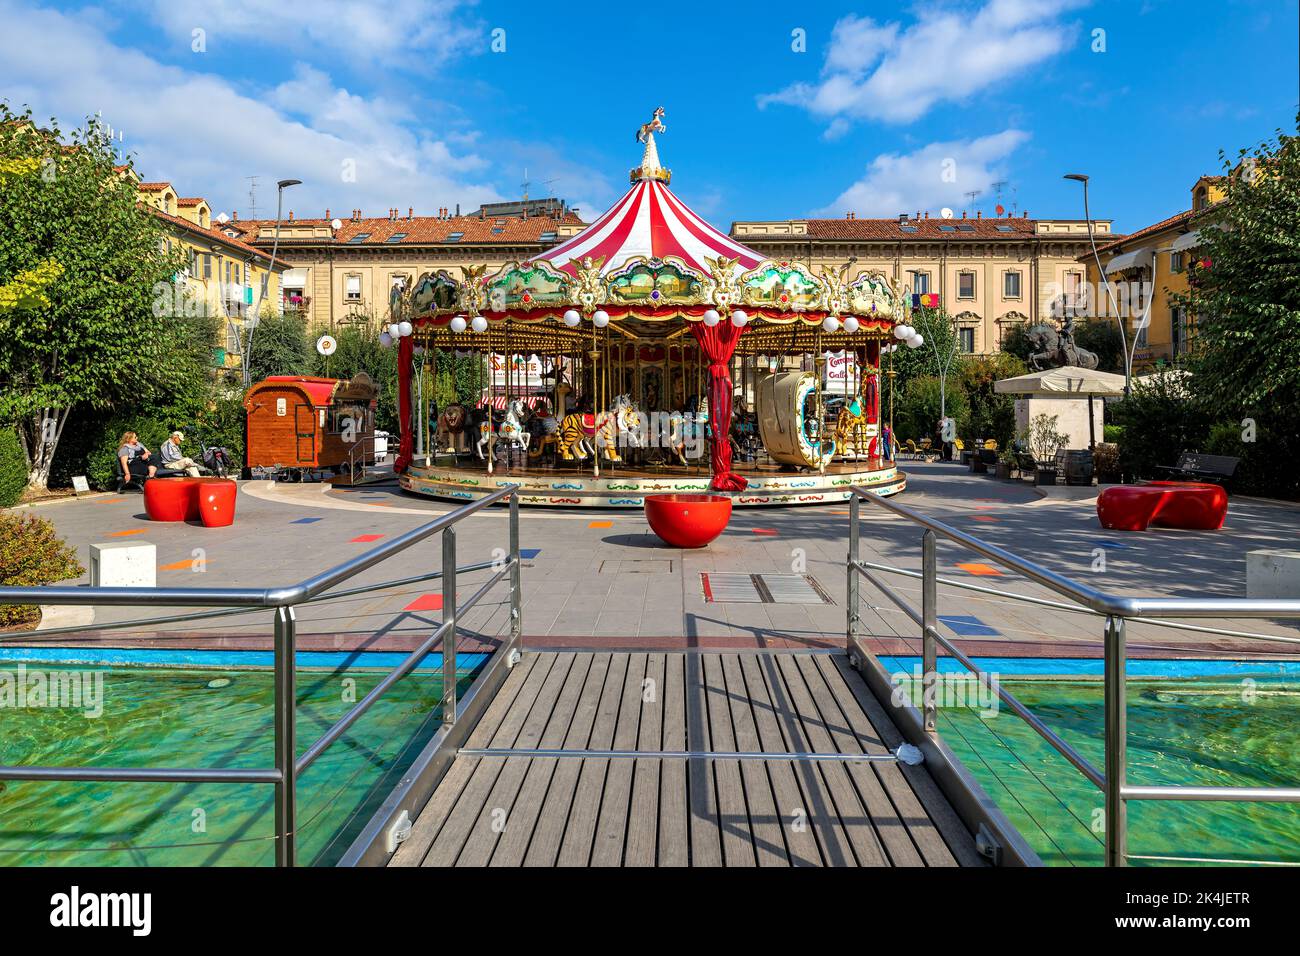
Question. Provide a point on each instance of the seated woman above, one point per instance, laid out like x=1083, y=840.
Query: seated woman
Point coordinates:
x=134, y=458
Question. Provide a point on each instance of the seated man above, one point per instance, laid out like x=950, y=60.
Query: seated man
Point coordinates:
x=173, y=459
x=134, y=458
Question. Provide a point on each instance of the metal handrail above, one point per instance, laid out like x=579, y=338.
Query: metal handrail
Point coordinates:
x=288, y=764
x=1115, y=608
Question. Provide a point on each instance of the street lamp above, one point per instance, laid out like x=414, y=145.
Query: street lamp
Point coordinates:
x=1123, y=335
x=281, y=186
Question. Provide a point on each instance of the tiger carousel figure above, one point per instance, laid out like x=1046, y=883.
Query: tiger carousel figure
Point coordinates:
x=583, y=433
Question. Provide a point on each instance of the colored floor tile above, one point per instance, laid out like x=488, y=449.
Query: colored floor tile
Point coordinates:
x=600, y=524
x=303, y=520
x=764, y=530
x=425, y=602
x=985, y=518
x=186, y=565
x=968, y=625
x=123, y=534
x=1113, y=544
x=527, y=553
x=980, y=570
x=365, y=537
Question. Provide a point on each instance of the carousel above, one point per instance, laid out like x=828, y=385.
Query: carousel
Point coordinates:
x=651, y=354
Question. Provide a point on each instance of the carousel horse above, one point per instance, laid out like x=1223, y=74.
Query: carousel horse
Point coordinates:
x=451, y=429
x=511, y=433
x=677, y=435
x=544, y=428
x=853, y=430
x=656, y=125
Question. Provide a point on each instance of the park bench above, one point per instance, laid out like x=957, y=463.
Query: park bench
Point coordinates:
x=122, y=482
x=1193, y=466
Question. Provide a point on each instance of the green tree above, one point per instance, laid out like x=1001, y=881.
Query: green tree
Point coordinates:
x=359, y=351
x=1245, y=294
x=992, y=415
x=917, y=413
x=940, y=343
x=95, y=335
x=282, y=347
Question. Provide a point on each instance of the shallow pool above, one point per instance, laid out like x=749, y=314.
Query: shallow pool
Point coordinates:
x=1208, y=730
x=201, y=717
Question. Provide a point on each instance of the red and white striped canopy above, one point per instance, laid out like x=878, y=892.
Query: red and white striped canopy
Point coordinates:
x=650, y=221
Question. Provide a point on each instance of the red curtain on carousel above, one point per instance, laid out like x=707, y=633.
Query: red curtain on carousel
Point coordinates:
x=718, y=342
x=405, y=357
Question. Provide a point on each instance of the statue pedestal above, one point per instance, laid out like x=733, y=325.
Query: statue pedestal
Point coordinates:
x=1071, y=413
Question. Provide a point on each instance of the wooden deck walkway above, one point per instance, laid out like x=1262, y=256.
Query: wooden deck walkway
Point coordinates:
x=542, y=780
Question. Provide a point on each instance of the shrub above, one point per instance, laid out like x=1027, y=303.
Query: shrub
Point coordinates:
x=1105, y=462
x=31, y=555
x=13, y=468
x=1159, y=423
x=992, y=415
x=152, y=433
x=1113, y=434
x=917, y=413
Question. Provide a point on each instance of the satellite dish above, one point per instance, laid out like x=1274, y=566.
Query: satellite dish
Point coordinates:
x=327, y=345
x=223, y=218
x=945, y=212
x=336, y=224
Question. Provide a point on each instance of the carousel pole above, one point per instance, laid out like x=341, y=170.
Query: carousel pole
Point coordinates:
x=492, y=395
x=595, y=403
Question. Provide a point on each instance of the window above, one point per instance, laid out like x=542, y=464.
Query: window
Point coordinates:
x=1177, y=331
x=947, y=228
x=1176, y=261
x=353, y=288
x=547, y=237
x=920, y=282
x=454, y=237
x=396, y=237
x=965, y=285
x=1004, y=228
x=360, y=237
x=1011, y=285
x=207, y=266
x=966, y=339
x=907, y=228
x=965, y=227
x=232, y=338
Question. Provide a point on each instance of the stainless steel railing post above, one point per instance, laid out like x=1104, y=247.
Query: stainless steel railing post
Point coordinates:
x=516, y=587
x=929, y=625
x=1115, y=655
x=449, y=615
x=285, y=729
x=855, y=555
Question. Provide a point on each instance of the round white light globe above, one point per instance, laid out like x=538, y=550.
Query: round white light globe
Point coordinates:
x=903, y=332
x=572, y=318
x=851, y=324
x=479, y=324
x=385, y=339
x=404, y=328
x=739, y=318
x=711, y=317
x=916, y=341
x=600, y=318
x=458, y=323
x=831, y=324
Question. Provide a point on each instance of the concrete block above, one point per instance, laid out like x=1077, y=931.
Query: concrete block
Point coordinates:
x=1273, y=574
x=126, y=564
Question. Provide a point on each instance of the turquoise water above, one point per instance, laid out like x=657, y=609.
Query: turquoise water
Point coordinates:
x=204, y=718
x=1206, y=731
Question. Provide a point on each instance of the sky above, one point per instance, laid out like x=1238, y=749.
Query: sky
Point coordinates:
x=773, y=110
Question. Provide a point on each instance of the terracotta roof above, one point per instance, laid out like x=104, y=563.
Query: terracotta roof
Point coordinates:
x=213, y=233
x=416, y=230
x=1174, y=220
x=192, y=201
x=1010, y=229
x=153, y=187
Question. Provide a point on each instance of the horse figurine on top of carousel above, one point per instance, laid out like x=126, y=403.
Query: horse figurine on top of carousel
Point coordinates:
x=656, y=125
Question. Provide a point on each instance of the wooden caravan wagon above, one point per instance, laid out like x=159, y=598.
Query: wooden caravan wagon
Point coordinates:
x=298, y=425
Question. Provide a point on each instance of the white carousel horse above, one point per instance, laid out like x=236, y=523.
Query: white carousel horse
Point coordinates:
x=511, y=433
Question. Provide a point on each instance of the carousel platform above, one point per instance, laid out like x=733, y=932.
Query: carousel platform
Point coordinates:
x=565, y=486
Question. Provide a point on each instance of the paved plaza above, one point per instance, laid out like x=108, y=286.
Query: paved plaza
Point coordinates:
x=602, y=579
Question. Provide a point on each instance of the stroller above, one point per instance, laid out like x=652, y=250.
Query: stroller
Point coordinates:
x=216, y=459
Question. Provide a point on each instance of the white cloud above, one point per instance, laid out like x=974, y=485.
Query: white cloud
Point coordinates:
x=896, y=74
x=205, y=135
x=930, y=178
x=371, y=32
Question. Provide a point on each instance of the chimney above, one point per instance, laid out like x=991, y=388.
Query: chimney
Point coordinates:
x=291, y=215
x=327, y=215
x=927, y=214
x=235, y=215
x=979, y=214
x=410, y=213
x=963, y=213
x=1025, y=214
x=458, y=210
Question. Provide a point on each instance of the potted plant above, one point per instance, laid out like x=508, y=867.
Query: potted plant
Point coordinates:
x=1044, y=441
x=1007, y=464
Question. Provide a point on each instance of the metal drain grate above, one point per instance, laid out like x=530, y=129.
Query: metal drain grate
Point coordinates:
x=734, y=587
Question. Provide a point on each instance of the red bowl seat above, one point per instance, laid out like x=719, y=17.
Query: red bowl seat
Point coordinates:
x=687, y=521
x=211, y=500
x=1189, y=505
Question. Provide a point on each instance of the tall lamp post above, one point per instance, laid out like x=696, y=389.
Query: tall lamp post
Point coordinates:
x=281, y=186
x=1110, y=294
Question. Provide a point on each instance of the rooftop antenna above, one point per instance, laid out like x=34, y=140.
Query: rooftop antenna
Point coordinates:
x=970, y=196
x=252, y=197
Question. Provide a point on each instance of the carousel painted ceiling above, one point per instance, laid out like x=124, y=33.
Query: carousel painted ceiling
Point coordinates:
x=649, y=258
